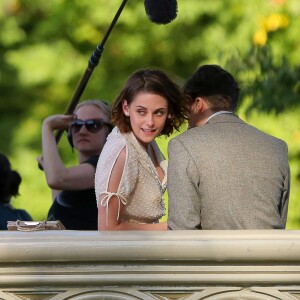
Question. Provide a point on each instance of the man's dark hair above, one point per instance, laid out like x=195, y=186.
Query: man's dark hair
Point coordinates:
x=214, y=84
x=10, y=180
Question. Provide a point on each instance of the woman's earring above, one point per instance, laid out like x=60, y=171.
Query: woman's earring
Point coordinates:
x=169, y=116
x=126, y=113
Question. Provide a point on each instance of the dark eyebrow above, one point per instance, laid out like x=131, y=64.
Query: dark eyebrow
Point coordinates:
x=160, y=108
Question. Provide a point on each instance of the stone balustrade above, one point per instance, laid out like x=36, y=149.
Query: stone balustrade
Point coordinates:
x=185, y=265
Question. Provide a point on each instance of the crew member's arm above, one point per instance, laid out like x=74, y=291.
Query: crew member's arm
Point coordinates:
x=59, y=177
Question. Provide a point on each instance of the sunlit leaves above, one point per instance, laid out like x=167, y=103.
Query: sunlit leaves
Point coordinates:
x=39, y=64
x=45, y=47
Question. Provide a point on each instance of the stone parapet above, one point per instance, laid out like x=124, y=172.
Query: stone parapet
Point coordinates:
x=185, y=265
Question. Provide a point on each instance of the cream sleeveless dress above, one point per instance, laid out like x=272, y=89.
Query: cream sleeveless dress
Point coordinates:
x=140, y=189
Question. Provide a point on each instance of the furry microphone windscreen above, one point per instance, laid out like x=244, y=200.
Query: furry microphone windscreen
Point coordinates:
x=161, y=11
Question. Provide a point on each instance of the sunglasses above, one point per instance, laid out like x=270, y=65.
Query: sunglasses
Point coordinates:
x=92, y=125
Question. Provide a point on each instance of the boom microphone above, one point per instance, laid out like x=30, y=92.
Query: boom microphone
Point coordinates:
x=161, y=11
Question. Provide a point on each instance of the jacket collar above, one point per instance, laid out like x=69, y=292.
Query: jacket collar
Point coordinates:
x=224, y=117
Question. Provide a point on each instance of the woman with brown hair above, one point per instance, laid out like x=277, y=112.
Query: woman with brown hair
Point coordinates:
x=131, y=172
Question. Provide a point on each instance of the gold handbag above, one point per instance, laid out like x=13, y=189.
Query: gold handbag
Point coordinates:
x=34, y=226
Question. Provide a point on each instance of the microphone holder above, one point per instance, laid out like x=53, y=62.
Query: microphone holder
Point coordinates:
x=93, y=62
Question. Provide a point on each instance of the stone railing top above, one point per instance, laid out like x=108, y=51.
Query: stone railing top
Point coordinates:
x=280, y=246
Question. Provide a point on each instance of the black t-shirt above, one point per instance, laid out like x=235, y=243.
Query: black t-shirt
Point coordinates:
x=76, y=210
x=9, y=213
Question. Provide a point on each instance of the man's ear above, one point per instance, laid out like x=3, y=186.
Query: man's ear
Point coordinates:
x=201, y=104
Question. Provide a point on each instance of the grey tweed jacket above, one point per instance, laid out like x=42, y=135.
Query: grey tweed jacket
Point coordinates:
x=227, y=174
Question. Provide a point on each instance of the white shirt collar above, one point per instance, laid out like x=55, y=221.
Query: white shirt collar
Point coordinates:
x=218, y=113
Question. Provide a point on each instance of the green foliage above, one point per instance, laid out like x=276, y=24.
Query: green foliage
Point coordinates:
x=273, y=86
x=45, y=47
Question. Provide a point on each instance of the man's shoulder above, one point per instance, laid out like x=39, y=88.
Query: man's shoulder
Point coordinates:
x=267, y=136
x=186, y=141
x=180, y=137
x=190, y=134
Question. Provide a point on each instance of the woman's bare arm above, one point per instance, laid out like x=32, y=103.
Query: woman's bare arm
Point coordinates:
x=108, y=215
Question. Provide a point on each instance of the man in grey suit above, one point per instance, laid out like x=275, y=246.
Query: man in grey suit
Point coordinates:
x=224, y=173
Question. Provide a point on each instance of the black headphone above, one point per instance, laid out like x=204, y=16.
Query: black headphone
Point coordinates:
x=69, y=137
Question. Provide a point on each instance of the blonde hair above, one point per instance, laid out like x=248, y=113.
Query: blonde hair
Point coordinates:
x=101, y=104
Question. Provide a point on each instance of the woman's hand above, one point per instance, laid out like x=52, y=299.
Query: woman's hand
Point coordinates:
x=162, y=226
x=59, y=122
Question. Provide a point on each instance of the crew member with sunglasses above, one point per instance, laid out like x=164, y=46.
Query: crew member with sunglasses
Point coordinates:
x=74, y=201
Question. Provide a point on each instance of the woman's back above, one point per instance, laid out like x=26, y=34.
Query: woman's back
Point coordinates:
x=9, y=213
x=10, y=181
